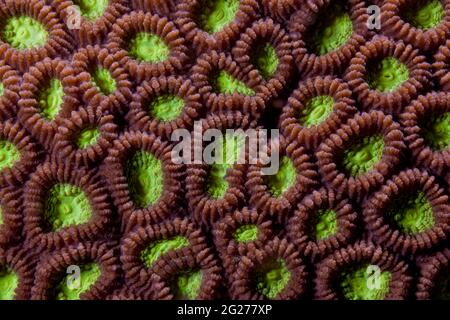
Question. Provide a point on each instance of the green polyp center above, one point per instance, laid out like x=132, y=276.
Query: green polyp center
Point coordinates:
x=325, y=224
x=187, y=285
x=246, y=233
x=412, y=213
x=316, y=111
x=283, y=179
x=51, y=99
x=272, y=278
x=144, y=173
x=92, y=9
x=266, y=60
x=442, y=285
x=9, y=154
x=436, y=132
x=365, y=283
x=2, y=89
x=1, y=216
x=149, y=47
x=24, y=33
x=8, y=283
x=88, y=137
x=228, y=148
x=362, y=156
x=166, y=108
x=216, y=15
x=71, y=289
x=333, y=29
x=157, y=248
x=66, y=205
x=387, y=75
x=225, y=83
x=104, y=81
x=425, y=15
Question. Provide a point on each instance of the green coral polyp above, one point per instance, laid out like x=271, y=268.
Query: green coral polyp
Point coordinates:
x=9, y=281
x=361, y=157
x=412, y=213
x=387, y=75
x=437, y=132
x=228, y=148
x=9, y=154
x=316, y=110
x=166, y=108
x=92, y=9
x=71, y=289
x=333, y=29
x=283, y=179
x=325, y=224
x=66, y=205
x=246, y=233
x=2, y=89
x=157, y=248
x=104, y=81
x=227, y=84
x=365, y=283
x=216, y=15
x=148, y=47
x=425, y=15
x=51, y=99
x=88, y=137
x=1, y=216
x=187, y=285
x=24, y=33
x=272, y=278
x=266, y=60
x=144, y=173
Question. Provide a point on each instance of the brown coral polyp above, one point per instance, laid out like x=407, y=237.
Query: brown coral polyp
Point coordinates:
x=144, y=182
x=315, y=22
x=386, y=75
x=409, y=213
x=280, y=10
x=190, y=275
x=274, y=271
x=103, y=81
x=88, y=26
x=237, y=234
x=323, y=222
x=275, y=193
x=20, y=154
x=192, y=17
x=427, y=131
x=57, y=42
x=48, y=95
x=335, y=274
x=359, y=156
x=17, y=263
x=206, y=205
x=441, y=66
x=226, y=86
x=433, y=279
x=64, y=204
x=150, y=45
x=266, y=47
x=11, y=218
x=9, y=91
x=86, y=136
x=52, y=282
x=165, y=104
x=398, y=21
x=142, y=247
x=317, y=108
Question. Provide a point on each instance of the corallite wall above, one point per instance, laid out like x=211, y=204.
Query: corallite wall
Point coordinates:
x=96, y=205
